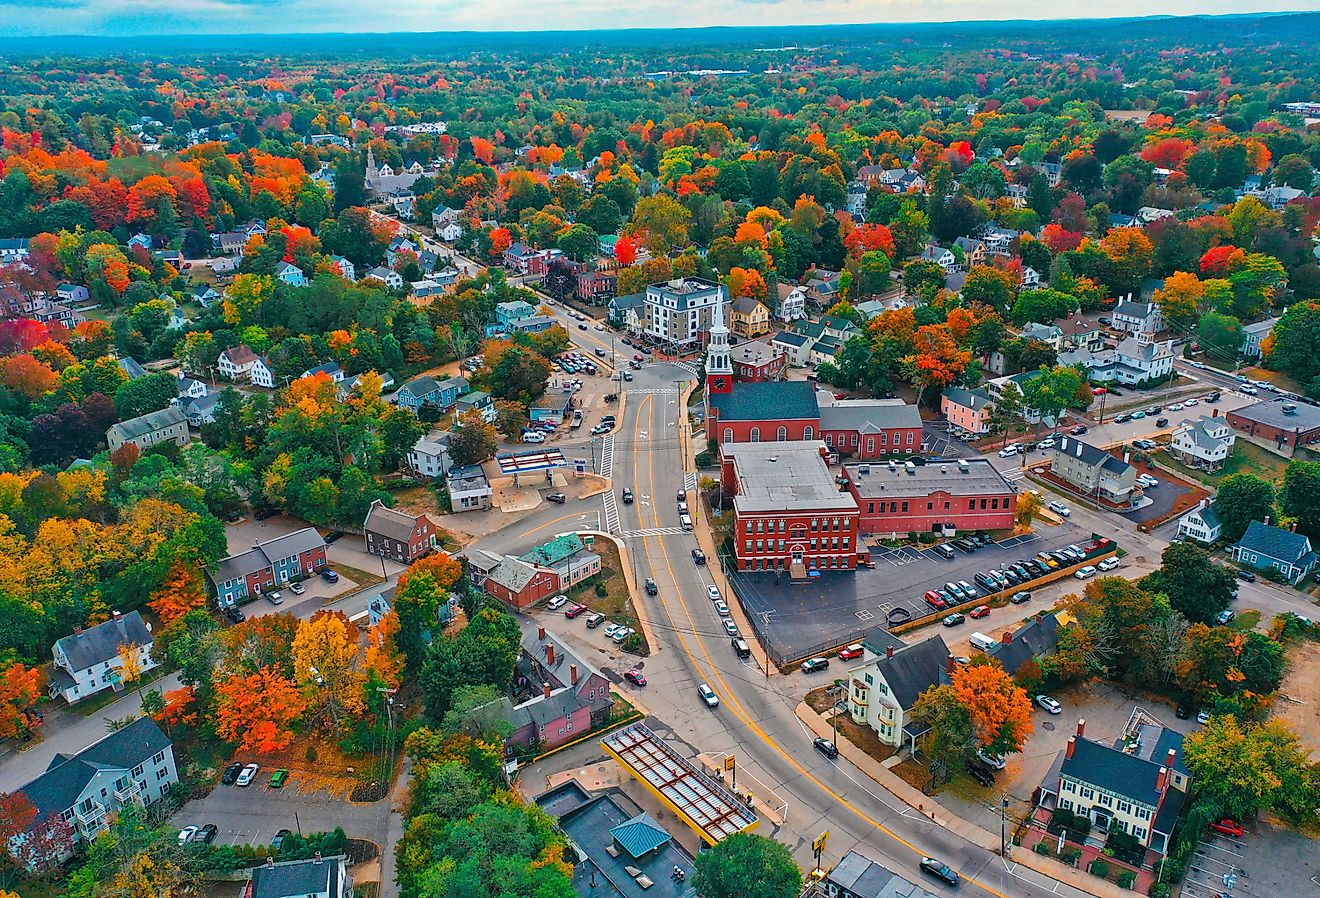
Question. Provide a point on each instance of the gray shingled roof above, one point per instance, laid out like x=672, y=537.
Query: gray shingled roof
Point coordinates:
x=786, y=399
x=389, y=522
x=1113, y=770
x=869, y=415
x=265, y=554
x=513, y=574
x=297, y=879
x=864, y=878
x=148, y=423
x=101, y=643
x=914, y=669
x=973, y=399
x=1035, y=640
x=56, y=790
x=1283, y=545
x=1091, y=455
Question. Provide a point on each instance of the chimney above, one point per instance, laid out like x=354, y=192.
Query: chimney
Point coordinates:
x=1078, y=453
x=1007, y=638
x=540, y=634
x=1072, y=746
x=545, y=689
x=119, y=616
x=889, y=652
x=1168, y=761
x=77, y=631
x=1214, y=413
x=1081, y=727
x=550, y=656
x=948, y=664
x=1267, y=520
x=572, y=674
x=1293, y=528
x=1163, y=781
x=270, y=861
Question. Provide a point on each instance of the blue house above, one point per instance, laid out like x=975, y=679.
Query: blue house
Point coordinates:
x=1264, y=546
x=506, y=313
x=426, y=390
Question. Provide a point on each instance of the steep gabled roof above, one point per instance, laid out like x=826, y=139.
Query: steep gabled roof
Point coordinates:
x=56, y=790
x=101, y=643
x=1283, y=545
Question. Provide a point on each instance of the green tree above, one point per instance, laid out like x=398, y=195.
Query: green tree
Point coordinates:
x=478, y=711
x=1220, y=335
x=1294, y=341
x=949, y=740
x=991, y=286
x=1300, y=496
x=579, y=242
x=1242, y=769
x=483, y=653
x=1195, y=585
x=1243, y=498
x=146, y=394
x=474, y=442
x=1051, y=391
x=746, y=865
x=1006, y=411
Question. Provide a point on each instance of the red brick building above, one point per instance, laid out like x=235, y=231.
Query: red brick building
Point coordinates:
x=870, y=428
x=519, y=584
x=1285, y=423
x=756, y=360
x=900, y=497
x=397, y=535
x=789, y=514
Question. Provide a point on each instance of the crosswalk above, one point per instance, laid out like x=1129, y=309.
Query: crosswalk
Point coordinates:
x=687, y=366
x=653, y=392
x=611, y=512
x=1014, y=474
x=689, y=481
x=607, y=456
x=654, y=531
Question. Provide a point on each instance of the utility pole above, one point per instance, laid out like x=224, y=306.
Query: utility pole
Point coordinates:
x=1003, y=826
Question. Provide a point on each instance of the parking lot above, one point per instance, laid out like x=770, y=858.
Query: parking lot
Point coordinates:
x=1265, y=861
x=801, y=617
x=309, y=802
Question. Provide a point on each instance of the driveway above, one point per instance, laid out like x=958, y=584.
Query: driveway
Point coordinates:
x=252, y=815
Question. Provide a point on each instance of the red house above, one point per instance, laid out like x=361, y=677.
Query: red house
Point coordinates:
x=870, y=428
x=519, y=584
x=900, y=497
x=756, y=360
x=563, y=697
x=397, y=535
x=789, y=514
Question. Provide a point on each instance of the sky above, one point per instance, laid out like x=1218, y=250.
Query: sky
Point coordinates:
x=20, y=18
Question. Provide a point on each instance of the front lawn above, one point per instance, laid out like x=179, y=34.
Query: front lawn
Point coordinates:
x=1246, y=458
x=607, y=592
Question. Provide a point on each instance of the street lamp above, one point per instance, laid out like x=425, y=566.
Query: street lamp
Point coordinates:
x=840, y=707
x=1003, y=826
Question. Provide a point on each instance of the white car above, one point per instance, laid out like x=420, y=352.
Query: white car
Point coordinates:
x=1008, y=451
x=1177, y=407
x=1085, y=573
x=1191, y=402
x=708, y=696
x=713, y=593
x=1060, y=509
x=534, y=437
x=996, y=761
x=722, y=608
x=1049, y=704
x=611, y=629
x=274, y=598
x=1108, y=564
x=1047, y=443
x=186, y=834
x=622, y=635
x=730, y=627
x=247, y=775
x=557, y=602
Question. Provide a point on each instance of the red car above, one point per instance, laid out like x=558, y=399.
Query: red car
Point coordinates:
x=850, y=652
x=1229, y=827
x=980, y=611
x=636, y=677
x=573, y=611
x=935, y=600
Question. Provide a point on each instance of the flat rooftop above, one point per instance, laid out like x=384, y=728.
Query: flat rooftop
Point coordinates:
x=784, y=476
x=880, y=480
x=1270, y=411
x=709, y=808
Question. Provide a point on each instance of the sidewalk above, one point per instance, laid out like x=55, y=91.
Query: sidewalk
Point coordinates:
x=926, y=805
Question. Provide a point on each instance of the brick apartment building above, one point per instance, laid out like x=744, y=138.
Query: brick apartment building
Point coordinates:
x=1286, y=423
x=900, y=497
x=789, y=514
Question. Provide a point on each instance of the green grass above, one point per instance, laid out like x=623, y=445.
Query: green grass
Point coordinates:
x=90, y=707
x=616, y=604
x=1246, y=458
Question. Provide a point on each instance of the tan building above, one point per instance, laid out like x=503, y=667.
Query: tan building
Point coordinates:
x=883, y=689
x=169, y=425
x=749, y=318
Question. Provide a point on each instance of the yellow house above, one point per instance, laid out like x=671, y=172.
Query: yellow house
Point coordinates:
x=749, y=318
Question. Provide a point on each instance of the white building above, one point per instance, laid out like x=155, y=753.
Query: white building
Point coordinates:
x=1201, y=524
x=262, y=374
x=346, y=268
x=792, y=305
x=1204, y=443
x=429, y=456
x=88, y=661
x=884, y=688
x=678, y=312
x=469, y=488
x=1138, y=317
x=236, y=362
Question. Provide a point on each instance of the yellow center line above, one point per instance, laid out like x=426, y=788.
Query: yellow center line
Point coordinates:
x=730, y=700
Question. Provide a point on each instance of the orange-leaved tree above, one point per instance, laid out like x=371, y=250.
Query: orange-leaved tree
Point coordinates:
x=180, y=593
x=325, y=663
x=999, y=708
x=258, y=711
x=383, y=657
x=20, y=687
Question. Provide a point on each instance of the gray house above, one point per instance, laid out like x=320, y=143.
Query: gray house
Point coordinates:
x=426, y=390
x=318, y=877
x=88, y=661
x=1264, y=547
x=169, y=425
x=134, y=765
x=1094, y=472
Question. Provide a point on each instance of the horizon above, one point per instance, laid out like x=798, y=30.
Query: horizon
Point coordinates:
x=128, y=19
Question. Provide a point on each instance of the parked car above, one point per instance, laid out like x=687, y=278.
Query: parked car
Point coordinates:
x=278, y=779
x=1049, y=704
x=1161, y=422
x=968, y=591
x=557, y=602
x=1108, y=564
x=979, y=612
x=612, y=629
x=713, y=593
x=534, y=436
x=575, y=610
x=1084, y=573
x=935, y=600
x=953, y=620
x=1249, y=576
x=635, y=676
x=708, y=696
x=965, y=545
x=698, y=556
x=1060, y=509
x=826, y=747
x=329, y=575
x=186, y=834
x=247, y=775
x=850, y=652
x=992, y=760
x=812, y=665
x=231, y=773
x=1020, y=598
x=235, y=614
x=944, y=551
x=982, y=774
x=940, y=870
x=1229, y=827
x=280, y=836
x=297, y=589
x=730, y=627
x=594, y=621
x=557, y=498
x=622, y=635
x=1079, y=430
x=1008, y=451
x=722, y=608
x=1225, y=617
x=1203, y=718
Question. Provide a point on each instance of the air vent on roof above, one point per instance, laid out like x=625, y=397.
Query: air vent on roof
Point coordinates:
x=863, y=469
x=963, y=467
x=1289, y=408
x=773, y=458
x=944, y=469
x=909, y=467
x=893, y=465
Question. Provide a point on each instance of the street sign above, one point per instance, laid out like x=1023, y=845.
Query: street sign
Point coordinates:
x=729, y=762
x=818, y=845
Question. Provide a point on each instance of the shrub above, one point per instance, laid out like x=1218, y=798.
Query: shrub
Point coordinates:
x=704, y=459
x=1071, y=856
x=1042, y=847
x=912, y=536
x=1126, y=879
x=311, y=753
x=1159, y=890
x=1099, y=868
x=601, y=591
x=927, y=538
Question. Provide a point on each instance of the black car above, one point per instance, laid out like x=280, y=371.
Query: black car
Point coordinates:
x=1162, y=422
x=557, y=498
x=826, y=747
x=231, y=773
x=1122, y=419
x=812, y=665
x=981, y=773
x=206, y=835
x=651, y=588
x=1182, y=712
x=329, y=576
x=627, y=496
x=1248, y=576
x=1020, y=598
x=333, y=536
x=698, y=556
x=235, y=614
x=280, y=836
x=939, y=870
x=1212, y=398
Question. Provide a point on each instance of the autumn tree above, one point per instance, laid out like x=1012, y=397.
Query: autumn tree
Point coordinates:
x=1180, y=297
x=475, y=440
x=660, y=222
x=20, y=688
x=421, y=589
x=937, y=360
x=949, y=740
x=257, y=711
x=1028, y=506
x=999, y=709
x=325, y=665
x=181, y=592
x=1242, y=769
x=383, y=657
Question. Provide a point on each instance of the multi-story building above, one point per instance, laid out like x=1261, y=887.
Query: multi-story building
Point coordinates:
x=869, y=428
x=169, y=425
x=92, y=660
x=569, y=558
x=968, y=410
x=679, y=312
x=398, y=536
x=749, y=318
x=1202, y=524
x=757, y=360
x=469, y=488
x=270, y=564
x=429, y=456
x=1137, y=786
x=789, y=514
x=1204, y=443
x=1137, y=317
x=568, y=697
x=426, y=390
x=132, y=765
x=1094, y=472
x=883, y=689
x=1280, y=424
x=1254, y=334
x=519, y=584
x=1265, y=547
x=315, y=877
x=897, y=498
x=236, y=362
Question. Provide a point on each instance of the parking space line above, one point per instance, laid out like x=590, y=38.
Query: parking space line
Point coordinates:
x=864, y=615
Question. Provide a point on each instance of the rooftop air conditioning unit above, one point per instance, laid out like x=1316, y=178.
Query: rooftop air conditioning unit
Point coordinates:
x=863, y=469
x=963, y=467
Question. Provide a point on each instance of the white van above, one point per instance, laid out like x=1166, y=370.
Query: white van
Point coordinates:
x=982, y=642
x=685, y=521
